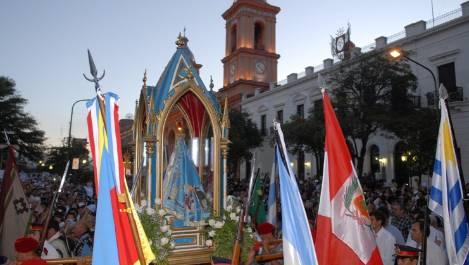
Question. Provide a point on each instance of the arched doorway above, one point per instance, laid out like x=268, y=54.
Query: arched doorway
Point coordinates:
x=374, y=162
x=401, y=163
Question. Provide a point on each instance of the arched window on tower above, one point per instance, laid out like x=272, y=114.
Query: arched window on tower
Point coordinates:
x=233, y=37
x=259, y=36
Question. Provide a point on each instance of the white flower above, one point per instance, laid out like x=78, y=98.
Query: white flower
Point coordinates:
x=158, y=201
x=238, y=209
x=150, y=211
x=164, y=228
x=211, y=222
x=169, y=232
x=151, y=242
x=229, y=208
x=211, y=233
x=233, y=216
x=143, y=203
x=139, y=209
x=164, y=241
x=218, y=224
x=208, y=243
x=251, y=236
x=249, y=229
x=172, y=245
x=162, y=212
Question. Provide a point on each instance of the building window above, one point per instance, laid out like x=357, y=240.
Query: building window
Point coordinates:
x=300, y=111
x=318, y=108
x=263, y=125
x=258, y=36
x=447, y=77
x=234, y=33
x=279, y=117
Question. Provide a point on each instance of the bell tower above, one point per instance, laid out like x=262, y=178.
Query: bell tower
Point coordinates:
x=250, y=60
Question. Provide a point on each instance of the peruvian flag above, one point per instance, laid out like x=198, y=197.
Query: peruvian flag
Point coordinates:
x=344, y=234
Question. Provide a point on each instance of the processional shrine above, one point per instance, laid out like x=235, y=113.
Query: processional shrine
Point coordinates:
x=181, y=146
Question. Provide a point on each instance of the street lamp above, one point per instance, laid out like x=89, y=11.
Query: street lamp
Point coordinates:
x=69, y=143
x=397, y=53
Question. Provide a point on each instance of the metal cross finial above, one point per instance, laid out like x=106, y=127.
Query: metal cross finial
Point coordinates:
x=211, y=84
x=94, y=73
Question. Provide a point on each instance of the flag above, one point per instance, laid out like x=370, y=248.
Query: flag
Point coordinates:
x=119, y=236
x=298, y=247
x=257, y=207
x=446, y=194
x=14, y=208
x=272, y=198
x=343, y=235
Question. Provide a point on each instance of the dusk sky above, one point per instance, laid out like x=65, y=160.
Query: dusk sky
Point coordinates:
x=43, y=45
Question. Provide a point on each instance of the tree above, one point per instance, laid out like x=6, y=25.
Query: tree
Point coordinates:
x=419, y=138
x=244, y=136
x=307, y=134
x=59, y=155
x=23, y=126
x=369, y=95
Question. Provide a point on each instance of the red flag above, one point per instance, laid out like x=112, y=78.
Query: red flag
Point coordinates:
x=344, y=234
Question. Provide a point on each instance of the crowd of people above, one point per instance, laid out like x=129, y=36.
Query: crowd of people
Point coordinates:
x=70, y=228
x=398, y=216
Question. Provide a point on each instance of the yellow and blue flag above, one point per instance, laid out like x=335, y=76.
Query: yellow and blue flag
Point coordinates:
x=446, y=195
x=119, y=237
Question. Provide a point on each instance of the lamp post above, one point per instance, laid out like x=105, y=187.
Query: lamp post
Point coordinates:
x=69, y=140
x=404, y=159
x=397, y=53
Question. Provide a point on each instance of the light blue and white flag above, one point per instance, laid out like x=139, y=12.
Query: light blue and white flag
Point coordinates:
x=446, y=195
x=298, y=247
x=272, y=199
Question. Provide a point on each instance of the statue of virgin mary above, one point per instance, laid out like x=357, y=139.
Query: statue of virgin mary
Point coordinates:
x=183, y=193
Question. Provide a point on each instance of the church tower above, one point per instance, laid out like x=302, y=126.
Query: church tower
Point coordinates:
x=250, y=60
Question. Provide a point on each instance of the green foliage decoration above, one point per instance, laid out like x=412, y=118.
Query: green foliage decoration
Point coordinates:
x=156, y=224
x=221, y=233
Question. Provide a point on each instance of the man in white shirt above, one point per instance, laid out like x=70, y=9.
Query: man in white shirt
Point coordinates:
x=435, y=254
x=384, y=239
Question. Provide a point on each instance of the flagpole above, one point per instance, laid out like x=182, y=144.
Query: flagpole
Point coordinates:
x=133, y=225
x=51, y=207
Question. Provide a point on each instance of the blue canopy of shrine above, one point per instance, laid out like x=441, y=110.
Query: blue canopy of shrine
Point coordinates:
x=175, y=72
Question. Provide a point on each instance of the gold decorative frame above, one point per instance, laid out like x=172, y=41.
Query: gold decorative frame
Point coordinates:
x=190, y=86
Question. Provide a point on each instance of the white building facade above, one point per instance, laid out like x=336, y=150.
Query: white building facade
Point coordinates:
x=442, y=45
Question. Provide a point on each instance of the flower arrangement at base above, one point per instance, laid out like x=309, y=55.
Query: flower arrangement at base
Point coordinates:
x=221, y=231
x=155, y=222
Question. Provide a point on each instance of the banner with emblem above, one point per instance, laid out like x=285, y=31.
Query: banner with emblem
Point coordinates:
x=14, y=208
x=343, y=223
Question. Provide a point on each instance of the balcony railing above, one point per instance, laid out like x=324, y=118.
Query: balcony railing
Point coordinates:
x=456, y=94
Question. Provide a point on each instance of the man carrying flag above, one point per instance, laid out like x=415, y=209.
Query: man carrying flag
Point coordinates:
x=298, y=247
x=343, y=235
x=446, y=195
x=14, y=208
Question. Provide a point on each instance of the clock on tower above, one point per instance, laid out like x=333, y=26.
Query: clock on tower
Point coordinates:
x=251, y=59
